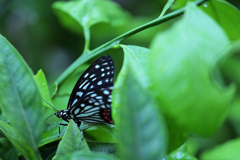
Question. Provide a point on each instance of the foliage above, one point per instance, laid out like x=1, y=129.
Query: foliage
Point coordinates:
x=176, y=99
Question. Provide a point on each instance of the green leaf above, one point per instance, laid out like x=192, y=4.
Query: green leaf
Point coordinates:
x=180, y=155
x=181, y=69
x=51, y=133
x=20, y=100
x=101, y=133
x=109, y=148
x=18, y=141
x=177, y=134
x=180, y=4
x=234, y=114
x=7, y=151
x=71, y=141
x=142, y=131
x=88, y=12
x=230, y=68
x=43, y=86
x=228, y=150
x=226, y=15
x=88, y=156
x=137, y=58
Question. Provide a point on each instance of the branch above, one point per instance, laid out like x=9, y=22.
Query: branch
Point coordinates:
x=89, y=54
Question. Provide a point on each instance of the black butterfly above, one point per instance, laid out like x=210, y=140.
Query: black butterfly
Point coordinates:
x=90, y=100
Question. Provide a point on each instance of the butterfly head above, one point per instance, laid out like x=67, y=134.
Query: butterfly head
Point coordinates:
x=63, y=114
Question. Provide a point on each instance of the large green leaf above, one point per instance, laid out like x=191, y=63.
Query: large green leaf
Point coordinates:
x=71, y=141
x=7, y=151
x=88, y=156
x=18, y=141
x=179, y=155
x=103, y=147
x=142, y=131
x=20, y=100
x=88, y=12
x=228, y=150
x=181, y=70
x=101, y=133
x=226, y=15
x=137, y=58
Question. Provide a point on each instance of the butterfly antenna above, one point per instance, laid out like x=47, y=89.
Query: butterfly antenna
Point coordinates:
x=49, y=116
x=50, y=104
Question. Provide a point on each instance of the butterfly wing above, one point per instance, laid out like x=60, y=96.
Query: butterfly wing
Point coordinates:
x=97, y=77
x=93, y=108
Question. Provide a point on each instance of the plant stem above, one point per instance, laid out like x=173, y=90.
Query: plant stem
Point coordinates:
x=166, y=7
x=89, y=54
x=86, y=32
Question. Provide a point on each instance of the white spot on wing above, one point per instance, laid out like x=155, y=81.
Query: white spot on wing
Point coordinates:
x=103, y=75
x=83, y=115
x=102, y=69
x=91, y=121
x=83, y=83
x=86, y=75
x=92, y=75
x=94, y=79
x=87, y=107
x=85, y=87
x=90, y=101
x=89, y=92
x=97, y=66
x=105, y=63
x=93, y=109
x=93, y=95
x=99, y=83
x=99, y=97
x=100, y=101
x=106, y=92
x=75, y=101
x=79, y=94
x=76, y=111
x=103, y=106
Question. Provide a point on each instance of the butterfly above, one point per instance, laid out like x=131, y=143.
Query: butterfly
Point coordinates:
x=90, y=100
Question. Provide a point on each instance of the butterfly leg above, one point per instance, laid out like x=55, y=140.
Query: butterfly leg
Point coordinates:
x=59, y=132
x=79, y=124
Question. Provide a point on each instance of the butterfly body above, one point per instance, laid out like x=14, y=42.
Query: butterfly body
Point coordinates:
x=90, y=100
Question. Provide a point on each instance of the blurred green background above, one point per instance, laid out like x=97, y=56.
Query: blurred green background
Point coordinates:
x=34, y=30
